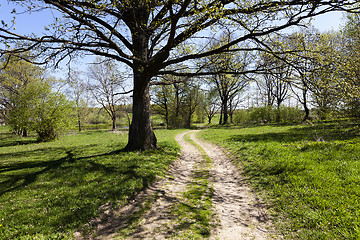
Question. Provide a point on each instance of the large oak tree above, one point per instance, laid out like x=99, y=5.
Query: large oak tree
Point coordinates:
x=146, y=36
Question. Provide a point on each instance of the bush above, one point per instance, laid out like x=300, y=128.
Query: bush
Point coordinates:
x=39, y=109
x=267, y=115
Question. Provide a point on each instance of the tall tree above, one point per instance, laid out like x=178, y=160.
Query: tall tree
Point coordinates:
x=275, y=82
x=228, y=85
x=325, y=78
x=30, y=102
x=77, y=89
x=350, y=65
x=144, y=34
x=15, y=76
x=105, y=84
x=303, y=46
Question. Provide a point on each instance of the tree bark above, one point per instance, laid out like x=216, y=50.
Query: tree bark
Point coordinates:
x=225, y=111
x=79, y=121
x=221, y=114
x=114, y=122
x=141, y=134
x=25, y=133
x=306, y=109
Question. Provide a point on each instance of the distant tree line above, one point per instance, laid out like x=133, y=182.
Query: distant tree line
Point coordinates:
x=301, y=76
x=304, y=75
x=33, y=101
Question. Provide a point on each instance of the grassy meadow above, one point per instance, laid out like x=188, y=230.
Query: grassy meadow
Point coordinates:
x=308, y=174
x=49, y=190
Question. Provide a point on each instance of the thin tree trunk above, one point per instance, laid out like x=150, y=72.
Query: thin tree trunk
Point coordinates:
x=306, y=109
x=79, y=121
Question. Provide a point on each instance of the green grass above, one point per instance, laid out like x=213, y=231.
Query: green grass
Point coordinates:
x=194, y=211
x=309, y=175
x=48, y=190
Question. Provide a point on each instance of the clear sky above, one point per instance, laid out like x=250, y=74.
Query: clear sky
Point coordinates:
x=329, y=21
x=35, y=22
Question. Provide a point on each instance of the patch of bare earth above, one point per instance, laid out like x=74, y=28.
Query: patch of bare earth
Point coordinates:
x=238, y=214
x=156, y=222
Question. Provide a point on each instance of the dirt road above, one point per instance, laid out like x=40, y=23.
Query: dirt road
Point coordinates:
x=236, y=213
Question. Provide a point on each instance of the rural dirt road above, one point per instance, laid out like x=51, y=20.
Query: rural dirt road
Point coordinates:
x=237, y=214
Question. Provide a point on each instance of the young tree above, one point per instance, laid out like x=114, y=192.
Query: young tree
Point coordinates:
x=211, y=102
x=191, y=101
x=325, y=78
x=48, y=111
x=275, y=82
x=163, y=101
x=77, y=89
x=350, y=65
x=228, y=86
x=302, y=44
x=105, y=84
x=30, y=103
x=144, y=35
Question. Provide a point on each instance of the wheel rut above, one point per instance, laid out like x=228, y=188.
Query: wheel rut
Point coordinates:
x=236, y=212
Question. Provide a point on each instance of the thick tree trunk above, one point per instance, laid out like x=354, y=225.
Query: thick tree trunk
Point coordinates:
x=221, y=114
x=225, y=112
x=278, y=114
x=141, y=134
x=114, y=123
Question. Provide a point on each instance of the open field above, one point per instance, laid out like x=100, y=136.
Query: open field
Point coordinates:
x=48, y=190
x=309, y=175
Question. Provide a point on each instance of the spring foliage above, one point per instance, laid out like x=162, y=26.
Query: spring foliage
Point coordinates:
x=30, y=104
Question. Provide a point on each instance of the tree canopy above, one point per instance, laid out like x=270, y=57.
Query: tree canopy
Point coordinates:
x=156, y=37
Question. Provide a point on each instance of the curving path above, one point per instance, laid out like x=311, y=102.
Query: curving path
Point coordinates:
x=237, y=213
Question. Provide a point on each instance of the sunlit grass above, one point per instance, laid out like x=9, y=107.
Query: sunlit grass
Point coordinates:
x=49, y=190
x=194, y=210
x=310, y=175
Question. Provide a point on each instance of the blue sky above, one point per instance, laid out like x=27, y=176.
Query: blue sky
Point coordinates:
x=28, y=23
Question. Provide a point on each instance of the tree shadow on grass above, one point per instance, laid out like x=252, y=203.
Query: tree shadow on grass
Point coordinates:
x=73, y=186
x=9, y=140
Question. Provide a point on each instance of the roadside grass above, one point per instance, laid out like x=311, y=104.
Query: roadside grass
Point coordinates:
x=194, y=211
x=49, y=190
x=309, y=175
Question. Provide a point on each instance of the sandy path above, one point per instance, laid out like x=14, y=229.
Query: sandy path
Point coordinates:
x=157, y=222
x=237, y=214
